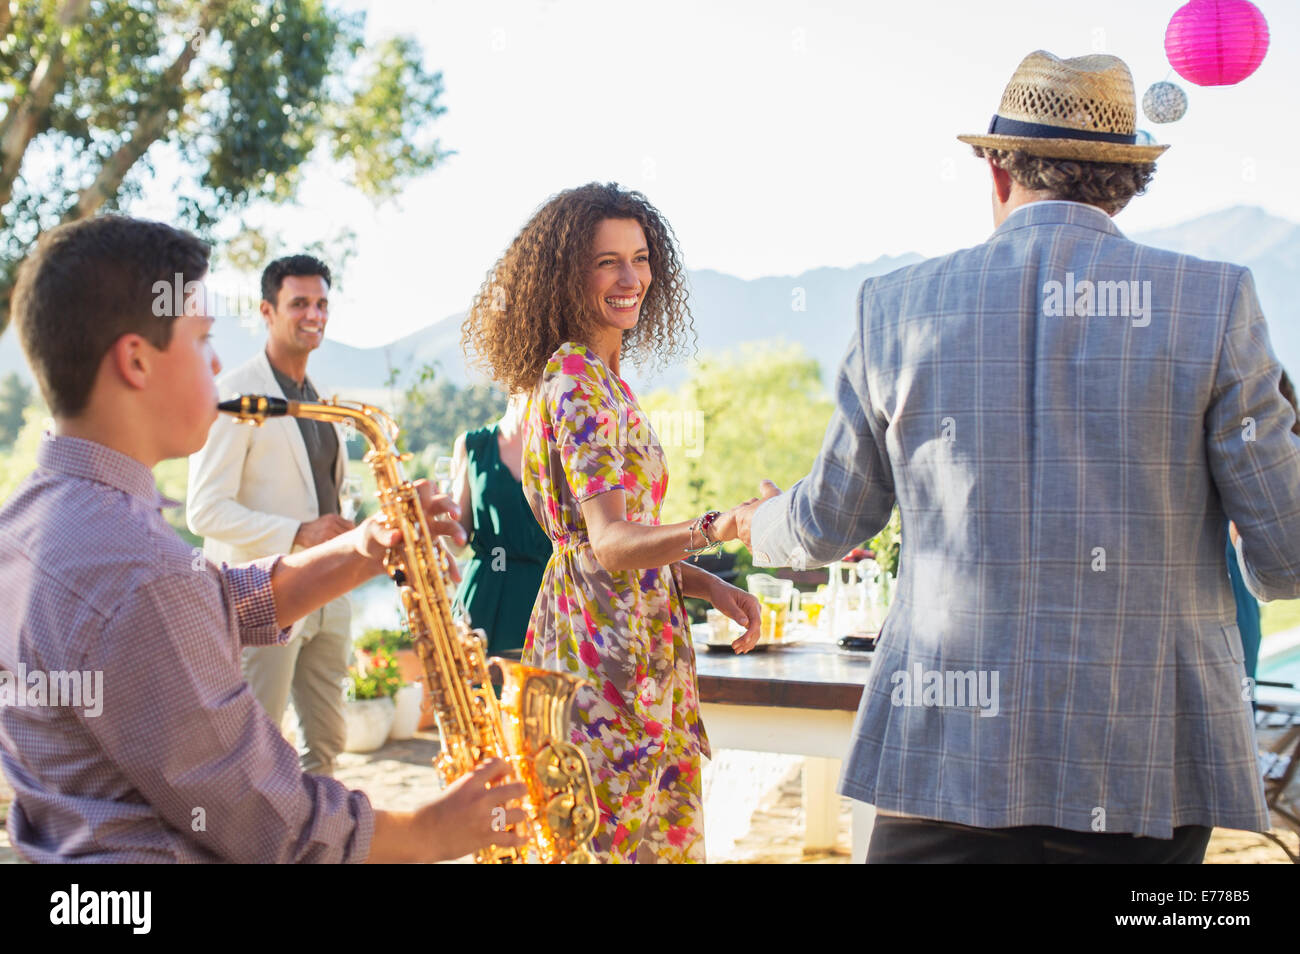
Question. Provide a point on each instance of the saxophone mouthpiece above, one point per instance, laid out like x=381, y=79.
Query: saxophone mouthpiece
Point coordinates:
x=255, y=407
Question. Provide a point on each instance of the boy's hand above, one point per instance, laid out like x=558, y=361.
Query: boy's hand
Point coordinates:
x=441, y=514
x=469, y=816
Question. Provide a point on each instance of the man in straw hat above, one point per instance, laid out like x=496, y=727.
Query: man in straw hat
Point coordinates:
x=1067, y=421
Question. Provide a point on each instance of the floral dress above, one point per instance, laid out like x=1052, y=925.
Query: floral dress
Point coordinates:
x=627, y=632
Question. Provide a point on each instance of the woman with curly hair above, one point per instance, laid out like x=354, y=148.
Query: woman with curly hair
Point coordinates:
x=595, y=277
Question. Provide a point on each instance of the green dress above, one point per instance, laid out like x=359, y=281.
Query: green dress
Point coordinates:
x=510, y=549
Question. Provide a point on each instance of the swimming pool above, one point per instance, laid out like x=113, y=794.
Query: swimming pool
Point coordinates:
x=1280, y=658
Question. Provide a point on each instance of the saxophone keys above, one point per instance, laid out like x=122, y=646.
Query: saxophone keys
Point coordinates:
x=559, y=814
x=548, y=764
x=446, y=767
x=582, y=816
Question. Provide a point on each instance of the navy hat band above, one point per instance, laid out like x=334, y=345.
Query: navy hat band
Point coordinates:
x=1014, y=127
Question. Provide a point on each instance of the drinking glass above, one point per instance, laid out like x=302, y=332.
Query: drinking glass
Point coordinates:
x=774, y=604
x=350, y=498
x=442, y=474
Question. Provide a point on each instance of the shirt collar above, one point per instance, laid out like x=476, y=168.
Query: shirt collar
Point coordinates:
x=89, y=460
x=287, y=383
x=1044, y=204
x=1058, y=212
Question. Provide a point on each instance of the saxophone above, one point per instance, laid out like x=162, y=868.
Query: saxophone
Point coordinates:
x=529, y=725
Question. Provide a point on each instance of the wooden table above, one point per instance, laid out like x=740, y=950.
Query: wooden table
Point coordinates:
x=798, y=700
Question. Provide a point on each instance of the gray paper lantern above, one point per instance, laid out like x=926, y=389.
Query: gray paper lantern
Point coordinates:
x=1164, y=103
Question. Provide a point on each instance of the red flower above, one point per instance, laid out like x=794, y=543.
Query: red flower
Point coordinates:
x=629, y=480
x=654, y=729
x=678, y=835
x=620, y=833
x=573, y=364
x=591, y=623
x=587, y=651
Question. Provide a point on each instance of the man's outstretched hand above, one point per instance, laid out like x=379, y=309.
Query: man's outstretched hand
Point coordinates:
x=735, y=523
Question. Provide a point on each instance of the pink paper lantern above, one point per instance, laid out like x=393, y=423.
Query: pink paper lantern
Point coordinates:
x=1216, y=42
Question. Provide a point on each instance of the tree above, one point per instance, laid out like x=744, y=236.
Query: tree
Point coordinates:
x=20, y=460
x=741, y=416
x=435, y=411
x=14, y=398
x=100, y=94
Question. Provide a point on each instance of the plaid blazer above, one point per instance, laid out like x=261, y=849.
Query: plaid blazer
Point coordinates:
x=1062, y=647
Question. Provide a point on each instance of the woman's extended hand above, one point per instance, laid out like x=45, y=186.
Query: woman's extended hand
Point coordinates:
x=740, y=606
x=734, y=524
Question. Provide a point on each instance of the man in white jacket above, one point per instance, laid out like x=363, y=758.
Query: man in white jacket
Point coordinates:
x=275, y=489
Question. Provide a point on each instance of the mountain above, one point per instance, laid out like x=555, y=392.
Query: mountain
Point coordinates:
x=813, y=309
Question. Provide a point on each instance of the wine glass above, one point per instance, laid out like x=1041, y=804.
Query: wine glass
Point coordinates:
x=442, y=474
x=350, y=498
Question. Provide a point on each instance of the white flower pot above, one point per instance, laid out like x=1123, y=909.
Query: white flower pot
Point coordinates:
x=406, y=719
x=369, y=721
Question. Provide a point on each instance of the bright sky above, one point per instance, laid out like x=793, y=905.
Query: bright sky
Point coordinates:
x=775, y=136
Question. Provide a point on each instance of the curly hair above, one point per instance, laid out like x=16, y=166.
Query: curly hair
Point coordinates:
x=1107, y=185
x=534, y=299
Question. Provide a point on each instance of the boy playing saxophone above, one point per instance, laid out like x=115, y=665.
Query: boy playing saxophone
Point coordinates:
x=180, y=763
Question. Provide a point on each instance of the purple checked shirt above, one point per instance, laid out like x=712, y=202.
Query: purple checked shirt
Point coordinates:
x=181, y=763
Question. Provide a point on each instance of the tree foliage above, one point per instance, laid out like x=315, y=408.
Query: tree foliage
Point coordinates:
x=14, y=398
x=434, y=411
x=741, y=416
x=20, y=460
x=99, y=95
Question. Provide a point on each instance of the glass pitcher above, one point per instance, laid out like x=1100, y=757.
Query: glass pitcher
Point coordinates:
x=775, y=600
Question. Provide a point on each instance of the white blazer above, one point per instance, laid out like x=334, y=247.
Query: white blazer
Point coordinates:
x=250, y=488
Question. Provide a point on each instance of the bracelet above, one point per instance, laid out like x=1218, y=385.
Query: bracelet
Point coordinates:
x=702, y=524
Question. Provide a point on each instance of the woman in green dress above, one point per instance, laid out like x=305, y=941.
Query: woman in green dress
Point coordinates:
x=509, y=548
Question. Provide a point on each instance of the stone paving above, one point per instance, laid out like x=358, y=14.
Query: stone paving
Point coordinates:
x=753, y=813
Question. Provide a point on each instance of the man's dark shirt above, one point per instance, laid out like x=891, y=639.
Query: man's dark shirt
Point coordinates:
x=322, y=443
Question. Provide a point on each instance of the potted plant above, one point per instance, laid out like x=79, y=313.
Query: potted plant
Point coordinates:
x=397, y=644
x=407, y=714
x=369, y=710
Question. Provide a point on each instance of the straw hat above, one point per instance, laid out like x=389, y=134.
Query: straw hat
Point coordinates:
x=1081, y=108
